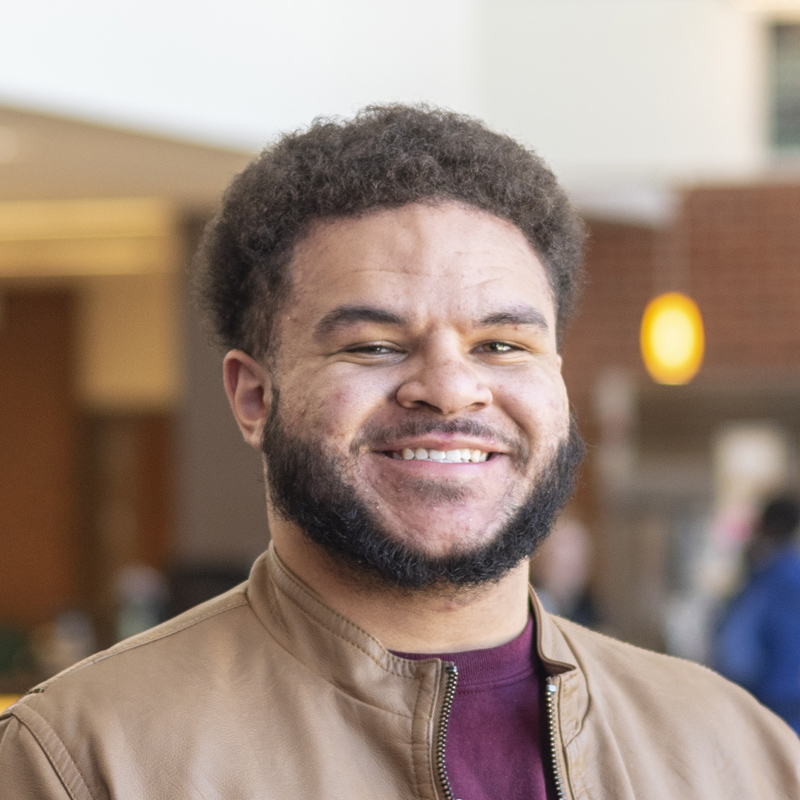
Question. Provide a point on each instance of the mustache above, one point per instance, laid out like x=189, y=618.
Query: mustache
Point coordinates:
x=374, y=435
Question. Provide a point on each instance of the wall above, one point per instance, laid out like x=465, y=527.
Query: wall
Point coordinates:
x=130, y=344
x=90, y=349
x=221, y=503
x=41, y=571
x=628, y=91
x=735, y=249
x=648, y=490
x=235, y=72
x=611, y=91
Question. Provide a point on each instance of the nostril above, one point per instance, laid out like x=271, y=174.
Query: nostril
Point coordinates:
x=443, y=396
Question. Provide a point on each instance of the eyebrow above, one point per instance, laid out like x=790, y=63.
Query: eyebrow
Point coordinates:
x=343, y=316
x=516, y=315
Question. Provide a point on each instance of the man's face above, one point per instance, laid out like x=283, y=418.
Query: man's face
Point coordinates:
x=417, y=371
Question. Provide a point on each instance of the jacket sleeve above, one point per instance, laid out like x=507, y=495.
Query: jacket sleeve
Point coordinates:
x=26, y=773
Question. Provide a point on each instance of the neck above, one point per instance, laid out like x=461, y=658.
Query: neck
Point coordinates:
x=412, y=621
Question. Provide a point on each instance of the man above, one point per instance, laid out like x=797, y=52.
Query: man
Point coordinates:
x=758, y=641
x=391, y=292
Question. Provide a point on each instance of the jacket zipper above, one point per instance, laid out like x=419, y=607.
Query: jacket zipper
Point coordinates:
x=451, y=670
x=552, y=692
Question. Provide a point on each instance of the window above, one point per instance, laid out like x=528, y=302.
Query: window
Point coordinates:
x=785, y=81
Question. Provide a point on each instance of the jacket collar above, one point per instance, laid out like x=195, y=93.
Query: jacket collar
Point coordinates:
x=559, y=661
x=354, y=661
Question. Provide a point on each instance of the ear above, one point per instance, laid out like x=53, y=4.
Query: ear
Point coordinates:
x=249, y=390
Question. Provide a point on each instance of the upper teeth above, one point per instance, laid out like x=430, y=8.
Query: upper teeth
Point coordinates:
x=446, y=456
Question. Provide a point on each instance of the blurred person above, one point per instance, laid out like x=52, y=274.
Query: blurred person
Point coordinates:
x=391, y=292
x=560, y=572
x=142, y=595
x=59, y=644
x=757, y=643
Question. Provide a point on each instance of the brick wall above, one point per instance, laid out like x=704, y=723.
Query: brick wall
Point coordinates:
x=745, y=259
x=735, y=250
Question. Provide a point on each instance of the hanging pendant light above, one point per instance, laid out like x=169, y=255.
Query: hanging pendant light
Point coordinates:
x=672, y=339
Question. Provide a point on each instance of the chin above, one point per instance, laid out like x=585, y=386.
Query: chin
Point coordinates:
x=413, y=536
x=440, y=532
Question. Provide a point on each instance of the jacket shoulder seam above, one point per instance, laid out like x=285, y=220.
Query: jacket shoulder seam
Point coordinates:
x=76, y=784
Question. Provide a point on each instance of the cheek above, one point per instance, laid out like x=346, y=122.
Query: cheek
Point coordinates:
x=326, y=406
x=540, y=407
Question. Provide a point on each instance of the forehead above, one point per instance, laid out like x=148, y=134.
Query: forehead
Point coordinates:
x=419, y=258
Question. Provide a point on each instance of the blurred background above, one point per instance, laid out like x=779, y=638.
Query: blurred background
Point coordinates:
x=126, y=493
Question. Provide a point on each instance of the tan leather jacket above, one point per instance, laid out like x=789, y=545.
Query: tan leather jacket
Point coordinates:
x=266, y=692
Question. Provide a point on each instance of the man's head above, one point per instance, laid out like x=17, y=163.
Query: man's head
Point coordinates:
x=779, y=519
x=387, y=157
x=410, y=404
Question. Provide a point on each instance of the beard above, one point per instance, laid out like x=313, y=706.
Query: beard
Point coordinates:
x=309, y=487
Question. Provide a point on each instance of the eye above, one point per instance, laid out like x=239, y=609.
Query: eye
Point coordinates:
x=371, y=353
x=503, y=353
x=372, y=349
x=498, y=348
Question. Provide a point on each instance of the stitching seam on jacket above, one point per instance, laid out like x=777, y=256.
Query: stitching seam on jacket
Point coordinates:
x=332, y=684
x=349, y=623
x=79, y=777
x=339, y=616
x=413, y=752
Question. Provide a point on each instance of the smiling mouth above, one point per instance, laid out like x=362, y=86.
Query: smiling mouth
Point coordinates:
x=461, y=456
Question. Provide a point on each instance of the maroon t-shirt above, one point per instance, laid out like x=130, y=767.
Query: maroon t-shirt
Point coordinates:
x=497, y=740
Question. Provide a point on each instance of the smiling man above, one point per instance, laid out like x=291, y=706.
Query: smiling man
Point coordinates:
x=414, y=420
x=391, y=292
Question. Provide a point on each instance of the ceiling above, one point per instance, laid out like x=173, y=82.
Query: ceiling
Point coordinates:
x=44, y=157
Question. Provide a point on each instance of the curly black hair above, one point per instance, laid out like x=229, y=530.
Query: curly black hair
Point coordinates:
x=386, y=157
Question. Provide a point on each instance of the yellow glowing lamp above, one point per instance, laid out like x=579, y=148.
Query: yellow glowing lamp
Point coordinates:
x=672, y=339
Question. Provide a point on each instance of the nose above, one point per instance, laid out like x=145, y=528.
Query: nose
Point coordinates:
x=445, y=382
